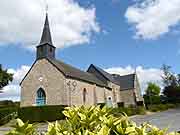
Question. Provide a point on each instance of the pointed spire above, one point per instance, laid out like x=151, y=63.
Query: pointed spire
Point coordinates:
x=46, y=35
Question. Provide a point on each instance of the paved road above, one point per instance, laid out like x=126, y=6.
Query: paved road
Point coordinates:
x=170, y=118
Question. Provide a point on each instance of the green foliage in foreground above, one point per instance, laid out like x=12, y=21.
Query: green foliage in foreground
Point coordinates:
x=90, y=121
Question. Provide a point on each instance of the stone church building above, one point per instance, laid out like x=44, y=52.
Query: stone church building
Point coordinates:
x=53, y=82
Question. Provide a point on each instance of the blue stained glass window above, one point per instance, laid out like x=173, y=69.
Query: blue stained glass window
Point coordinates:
x=40, y=97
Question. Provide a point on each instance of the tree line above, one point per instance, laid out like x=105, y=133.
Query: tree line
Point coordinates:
x=170, y=92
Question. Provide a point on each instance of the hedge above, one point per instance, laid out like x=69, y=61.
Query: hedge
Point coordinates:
x=41, y=113
x=6, y=114
x=128, y=110
x=160, y=107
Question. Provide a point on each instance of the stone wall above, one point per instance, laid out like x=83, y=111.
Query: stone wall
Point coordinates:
x=94, y=94
x=128, y=97
x=59, y=89
x=44, y=75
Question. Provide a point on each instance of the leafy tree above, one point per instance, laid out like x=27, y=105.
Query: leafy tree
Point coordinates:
x=172, y=94
x=152, y=95
x=5, y=77
x=172, y=85
x=168, y=77
x=153, y=89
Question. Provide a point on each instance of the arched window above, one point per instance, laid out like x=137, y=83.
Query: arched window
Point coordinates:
x=40, y=97
x=84, y=95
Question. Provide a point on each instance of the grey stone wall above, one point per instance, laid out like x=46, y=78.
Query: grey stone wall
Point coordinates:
x=128, y=97
x=94, y=94
x=59, y=89
x=44, y=75
x=67, y=91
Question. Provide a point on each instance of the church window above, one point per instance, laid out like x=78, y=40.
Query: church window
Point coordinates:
x=50, y=49
x=84, y=95
x=40, y=97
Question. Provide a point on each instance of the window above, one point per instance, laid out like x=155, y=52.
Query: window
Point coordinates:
x=50, y=49
x=84, y=95
x=40, y=97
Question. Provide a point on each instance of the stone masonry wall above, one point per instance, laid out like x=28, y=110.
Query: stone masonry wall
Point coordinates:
x=44, y=75
x=128, y=97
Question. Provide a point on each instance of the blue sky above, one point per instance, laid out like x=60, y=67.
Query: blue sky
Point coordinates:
x=111, y=43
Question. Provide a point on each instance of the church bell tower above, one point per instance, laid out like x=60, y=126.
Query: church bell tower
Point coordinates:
x=46, y=49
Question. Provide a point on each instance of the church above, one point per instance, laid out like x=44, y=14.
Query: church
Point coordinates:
x=53, y=82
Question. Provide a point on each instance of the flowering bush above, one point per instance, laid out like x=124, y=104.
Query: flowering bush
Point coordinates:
x=91, y=121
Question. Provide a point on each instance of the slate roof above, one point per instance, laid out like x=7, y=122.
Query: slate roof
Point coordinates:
x=73, y=72
x=126, y=82
x=105, y=74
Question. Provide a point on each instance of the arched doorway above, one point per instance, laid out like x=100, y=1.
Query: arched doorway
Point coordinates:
x=40, y=97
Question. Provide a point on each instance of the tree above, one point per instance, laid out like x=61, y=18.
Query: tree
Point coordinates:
x=152, y=94
x=169, y=78
x=171, y=82
x=5, y=77
x=153, y=89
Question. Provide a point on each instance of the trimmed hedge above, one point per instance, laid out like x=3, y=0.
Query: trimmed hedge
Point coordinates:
x=128, y=110
x=6, y=114
x=41, y=113
x=160, y=107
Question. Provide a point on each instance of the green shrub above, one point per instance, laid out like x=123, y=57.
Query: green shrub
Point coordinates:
x=128, y=110
x=7, y=114
x=101, y=104
x=9, y=103
x=91, y=121
x=41, y=113
x=160, y=107
x=22, y=128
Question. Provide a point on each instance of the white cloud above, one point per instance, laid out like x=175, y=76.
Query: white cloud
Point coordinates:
x=12, y=91
x=145, y=75
x=22, y=21
x=153, y=18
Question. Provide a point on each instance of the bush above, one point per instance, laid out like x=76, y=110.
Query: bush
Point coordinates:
x=152, y=99
x=160, y=107
x=91, y=121
x=9, y=103
x=7, y=114
x=101, y=104
x=128, y=110
x=41, y=113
